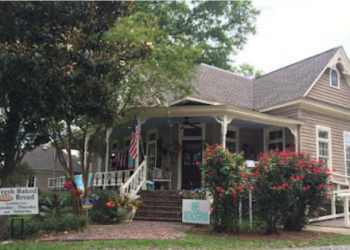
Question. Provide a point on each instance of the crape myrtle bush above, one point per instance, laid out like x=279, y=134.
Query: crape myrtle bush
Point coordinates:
x=291, y=188
x=226, y=180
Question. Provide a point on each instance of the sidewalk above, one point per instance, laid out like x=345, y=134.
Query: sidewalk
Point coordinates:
x=127, y=231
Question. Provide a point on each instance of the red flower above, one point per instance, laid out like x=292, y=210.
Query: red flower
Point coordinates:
x=300, y=162
x=282, y=162
x=250, y=187
x=308, y=186
x=280, y=187
x=309, y=166
x=274, y=187
x=68, y=185
x=211, y=173
x=235, y=183
x=265, y=168
x=334, y=169
x=296, y=168
x=197, y=163
x=54, y=198
x=109, y=205
x=302, y=177
x=291, y=185
x=305, y=188
x=297, y=178
x=222, y=191
x=220, y=195
x=292, y=178
x=231, y=172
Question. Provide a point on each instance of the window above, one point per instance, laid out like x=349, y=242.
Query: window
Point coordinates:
x=151, y=148
x=31, y=181
x=324, y=144
x=334, y=78
x=232, y=139
x=192, y=131
x=274, y=139
x=347, y=151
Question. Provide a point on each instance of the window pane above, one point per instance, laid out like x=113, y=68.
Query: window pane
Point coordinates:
x=231, y=146
x=192, y=132
x=151, y=149
x=348, y=168
x=279, y=134
x=273, y=135
x=152, y=137
x=348, y=152
x=323, y=134
x=323, y=148
x=347, y=139
x=334, y=78
x=231, y=134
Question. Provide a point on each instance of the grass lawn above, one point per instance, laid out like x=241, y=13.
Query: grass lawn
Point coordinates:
x=198, y=239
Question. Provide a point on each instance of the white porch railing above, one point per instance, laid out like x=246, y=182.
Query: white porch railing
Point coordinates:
x=56, y=182
x=137, y=180
x=343, y=194
x=112, y=179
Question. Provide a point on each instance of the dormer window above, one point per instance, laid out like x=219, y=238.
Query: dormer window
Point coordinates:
x=334, y=78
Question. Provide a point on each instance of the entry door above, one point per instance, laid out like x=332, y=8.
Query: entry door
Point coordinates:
x=191, y=174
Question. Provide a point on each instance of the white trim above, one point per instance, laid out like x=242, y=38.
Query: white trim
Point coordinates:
x=338, y=78
x=149, y=142
x=194, y=99
x=34, y=182
x=179, y=157
x=346, y=133
x=236, y=140
x=329, y=141
x=268, y=141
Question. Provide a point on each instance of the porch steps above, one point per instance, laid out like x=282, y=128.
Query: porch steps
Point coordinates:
x=160, y=206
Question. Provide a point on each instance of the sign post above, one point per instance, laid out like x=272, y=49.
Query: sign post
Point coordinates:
x=196, y=211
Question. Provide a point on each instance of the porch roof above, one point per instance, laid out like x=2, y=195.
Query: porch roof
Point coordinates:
x=219, y=111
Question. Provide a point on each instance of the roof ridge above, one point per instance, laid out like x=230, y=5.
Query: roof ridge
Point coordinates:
x=289, y=65
x=226, y=71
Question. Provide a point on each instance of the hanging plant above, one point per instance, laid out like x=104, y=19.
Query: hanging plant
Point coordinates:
x=174, y=148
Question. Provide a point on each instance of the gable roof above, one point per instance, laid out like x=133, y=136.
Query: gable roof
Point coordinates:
x=290, y=82
x=285, y=84
x=42, y=158
x=223, y=86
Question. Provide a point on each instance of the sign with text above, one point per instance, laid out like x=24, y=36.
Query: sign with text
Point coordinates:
x=196, y=211
x=18, y=201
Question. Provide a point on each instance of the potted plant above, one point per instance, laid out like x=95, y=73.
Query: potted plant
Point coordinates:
x=127, y=206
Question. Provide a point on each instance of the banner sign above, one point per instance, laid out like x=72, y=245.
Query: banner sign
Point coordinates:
x=19, y=201
x=196, y=211
x=79, y=181
x=87, y=204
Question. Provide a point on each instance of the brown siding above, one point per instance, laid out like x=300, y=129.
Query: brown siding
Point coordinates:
x=42, y=179
x=324, y=92
x=290, y=113
x=337, y=126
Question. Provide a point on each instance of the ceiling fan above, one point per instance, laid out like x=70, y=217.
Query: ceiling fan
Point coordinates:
x=186, y=122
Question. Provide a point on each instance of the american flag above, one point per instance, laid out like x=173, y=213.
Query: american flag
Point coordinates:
x=134, y=138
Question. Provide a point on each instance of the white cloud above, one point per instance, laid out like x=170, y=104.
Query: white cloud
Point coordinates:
x=292, y=30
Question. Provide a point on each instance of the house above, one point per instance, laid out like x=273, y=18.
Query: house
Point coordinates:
x=305, y=105
x=44, y=162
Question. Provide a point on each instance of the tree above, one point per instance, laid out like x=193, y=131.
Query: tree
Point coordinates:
x=219, y=28
x=246, y=70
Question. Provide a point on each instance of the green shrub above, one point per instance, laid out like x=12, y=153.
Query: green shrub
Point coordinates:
x=226, y=181
x=290, y=189
x=100, y=213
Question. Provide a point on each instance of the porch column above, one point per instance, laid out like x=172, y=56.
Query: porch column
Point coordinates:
x=86, y=145
x=295, y=132
x=107, y=140
x=224, y=121
x=137, y=161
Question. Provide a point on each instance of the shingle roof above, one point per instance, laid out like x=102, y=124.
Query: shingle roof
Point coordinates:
x=223, y=86
x=285, y=84
x=290, y=82
x=42, y=158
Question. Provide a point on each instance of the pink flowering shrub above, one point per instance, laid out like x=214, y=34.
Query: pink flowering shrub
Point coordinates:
x=291, y=188
x=226, y=180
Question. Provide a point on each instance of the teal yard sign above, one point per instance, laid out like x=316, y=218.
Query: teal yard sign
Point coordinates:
x=196, y=211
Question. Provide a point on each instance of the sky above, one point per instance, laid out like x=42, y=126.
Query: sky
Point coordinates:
x=292, y=30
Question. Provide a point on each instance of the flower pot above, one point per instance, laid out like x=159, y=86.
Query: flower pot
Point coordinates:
x=129, y=216
x=121, y=211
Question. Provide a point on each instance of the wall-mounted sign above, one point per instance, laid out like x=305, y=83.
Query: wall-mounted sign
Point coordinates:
x=196, y=211
x=87, y=204
x=19, y=201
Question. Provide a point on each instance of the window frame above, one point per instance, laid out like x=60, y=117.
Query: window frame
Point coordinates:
x=34, y=180
x=150, y=142
x=329, y=141
x=268, y=141
x=338, y=78
x=235, y=140
x=346, y=133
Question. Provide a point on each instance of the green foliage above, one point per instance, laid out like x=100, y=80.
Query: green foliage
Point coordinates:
x=34, y=227
x=246, y=70
x=100, y=213
x=226, y=180
x=219, y=28
x=22, y=173
x=291, y=188
x=55, y=208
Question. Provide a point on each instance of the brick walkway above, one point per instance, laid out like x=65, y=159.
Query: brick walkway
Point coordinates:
x=127, y=231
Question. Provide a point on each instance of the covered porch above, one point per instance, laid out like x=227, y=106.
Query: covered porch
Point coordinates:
x=172, y=139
